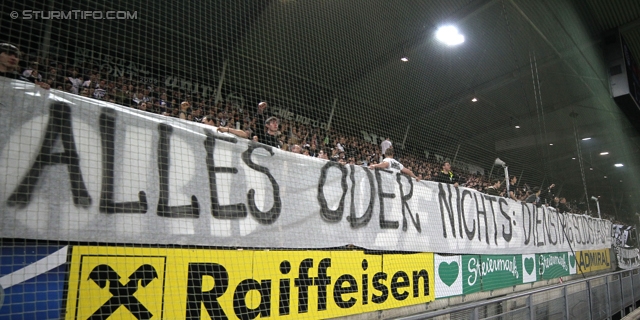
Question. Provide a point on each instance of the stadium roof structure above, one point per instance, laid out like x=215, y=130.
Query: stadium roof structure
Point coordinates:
x=528, y=63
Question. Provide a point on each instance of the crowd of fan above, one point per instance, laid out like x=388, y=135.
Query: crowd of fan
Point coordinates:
x=89, y=81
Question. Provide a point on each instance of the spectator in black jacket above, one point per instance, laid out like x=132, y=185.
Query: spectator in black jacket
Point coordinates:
x=270, y=135
x=446, y=175
x=562, y=207
x=494, y=188
x=535, y=197
x=9, y=60
x=513, y=189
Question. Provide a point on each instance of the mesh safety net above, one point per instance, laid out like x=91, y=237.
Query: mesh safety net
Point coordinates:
x=307, y=159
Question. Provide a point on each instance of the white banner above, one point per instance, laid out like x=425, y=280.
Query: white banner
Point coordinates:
x=77, y=169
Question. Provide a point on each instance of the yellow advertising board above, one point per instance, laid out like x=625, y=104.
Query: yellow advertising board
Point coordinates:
x=164, y=283
x=593, y=260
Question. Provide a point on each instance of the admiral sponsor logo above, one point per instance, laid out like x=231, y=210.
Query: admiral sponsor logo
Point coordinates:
x=593, y=260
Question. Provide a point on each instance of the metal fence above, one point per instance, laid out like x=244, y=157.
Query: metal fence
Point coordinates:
x=608, y=296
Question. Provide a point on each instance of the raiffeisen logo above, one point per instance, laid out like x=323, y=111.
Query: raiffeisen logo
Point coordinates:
x=229, y=284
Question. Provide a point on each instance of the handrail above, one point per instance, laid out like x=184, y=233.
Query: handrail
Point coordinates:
x=475, y=304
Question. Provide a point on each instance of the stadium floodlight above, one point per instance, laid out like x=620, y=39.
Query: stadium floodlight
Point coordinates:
x=619, y=165
x=404, y=59
x=585, y=139
x=449, y=35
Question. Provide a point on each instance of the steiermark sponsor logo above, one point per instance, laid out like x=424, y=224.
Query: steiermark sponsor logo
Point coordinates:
x=500, y=271
x=471, y=274
x=553, y=265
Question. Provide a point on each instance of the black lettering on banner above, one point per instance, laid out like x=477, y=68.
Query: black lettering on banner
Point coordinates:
x=231, y=211
x=272, y=215
x=59, y=126
x=378, y=285
x=326, y=213
x=580, y=237
x=501, y=201
x=339, y=289
x=584, y=226
x=484, y=211
x=470, y=233
x=164, y=146
x=495, y=224
x=107, y=138
x=416, y=282
x=405, y=204
x=567, y=231
x=576, y=227
x=536, y=233
x=571, y=223
x=591, y=231
x=303, y=282
x=545, y=223
x=486, y=224
x=552, y=226
x=560, y=227
x=588, y=230
x=122, y=295
x=385, y=224
x=357, y=222
x=400, y=280
x=444, y=203
x=527, y=234
x=585, y=229
x=239, y=299
x=196, y=297
x=458, y=205
x=322, y=281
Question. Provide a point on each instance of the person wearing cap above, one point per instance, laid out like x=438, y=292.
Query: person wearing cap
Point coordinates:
x=270, y=135
x=9, y=60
